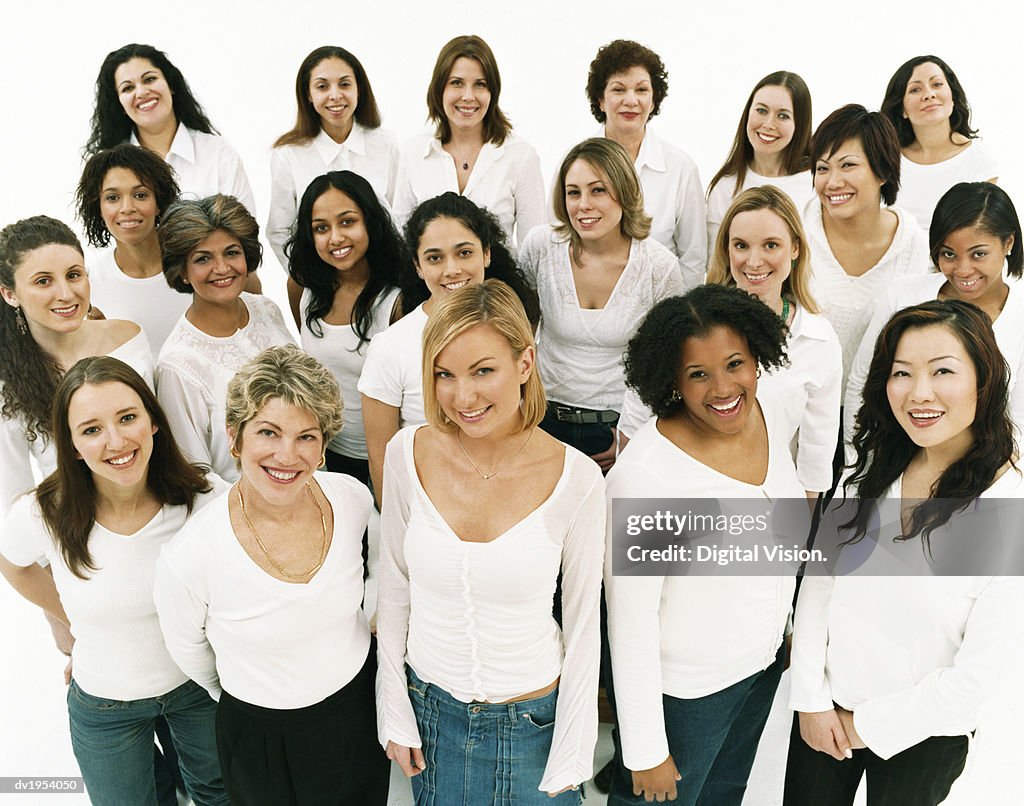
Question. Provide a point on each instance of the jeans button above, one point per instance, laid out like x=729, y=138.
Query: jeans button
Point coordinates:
x=476, y=709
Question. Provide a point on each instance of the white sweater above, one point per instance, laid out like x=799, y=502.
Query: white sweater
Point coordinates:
x=921, y=186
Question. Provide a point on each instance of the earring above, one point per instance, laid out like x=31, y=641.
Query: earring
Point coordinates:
x=234, y=452
x=19, y=320
x=675, y=397
x=758, y=373
x=323, y=460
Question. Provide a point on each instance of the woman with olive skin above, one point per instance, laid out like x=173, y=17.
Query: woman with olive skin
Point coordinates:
x=976, y=244
x=929, y=110
x=626, y=86
x=337, y=128
x=696, y=660
x=890, y=673
x=472, y=149
x=770, y=147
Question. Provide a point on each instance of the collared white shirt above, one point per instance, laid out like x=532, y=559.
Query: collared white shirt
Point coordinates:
x=206, y=164
x=799, y=187
x=505, y=180
x=371, y=153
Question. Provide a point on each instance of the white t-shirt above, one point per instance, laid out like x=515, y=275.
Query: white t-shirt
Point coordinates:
x=580, y=350
x=339, y=350
x=119, y=651
x=393, y=370
x=192, y=378
x=799, y=187
x=921, y=186
x=371, y=153
x=475, y=618
x=232, y=627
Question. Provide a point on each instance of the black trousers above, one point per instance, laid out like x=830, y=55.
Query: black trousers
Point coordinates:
x=326, y=754
x=919, y=776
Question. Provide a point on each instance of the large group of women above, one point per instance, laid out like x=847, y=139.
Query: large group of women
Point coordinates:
x=491, y=364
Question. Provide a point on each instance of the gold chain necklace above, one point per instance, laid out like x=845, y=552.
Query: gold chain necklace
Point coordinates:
x=493, y=473
x=323, y=536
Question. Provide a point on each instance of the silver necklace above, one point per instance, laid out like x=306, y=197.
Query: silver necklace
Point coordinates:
x=493, y=473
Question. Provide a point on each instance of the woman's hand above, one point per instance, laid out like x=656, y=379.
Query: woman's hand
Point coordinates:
x=410, y=759
x=823, y=731
x=605, y=459
x=846, y=718
x=658, y=783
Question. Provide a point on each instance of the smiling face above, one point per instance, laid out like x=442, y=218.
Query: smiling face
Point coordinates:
x=112, y=433
x=128, y=207
x=933, y=389
x=770, y=123
x=593, y=211
x=145, y=94
x=478, y=382
x=51, y=288
x=717, y=381
x=627, y=102
x=761, y=252
x=216, y=268
x=466, y=96
x=972, y=261
x=927, y=98
x=339, y=233
x=334, y=94
x=449, y=256
x=845, y=183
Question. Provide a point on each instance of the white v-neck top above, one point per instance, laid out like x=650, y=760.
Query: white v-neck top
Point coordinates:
x=475, y=618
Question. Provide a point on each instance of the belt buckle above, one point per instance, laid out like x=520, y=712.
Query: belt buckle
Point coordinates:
x=566, y=414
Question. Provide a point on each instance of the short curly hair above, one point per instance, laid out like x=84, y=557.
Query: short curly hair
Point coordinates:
x=653, y=355
x=618, y=57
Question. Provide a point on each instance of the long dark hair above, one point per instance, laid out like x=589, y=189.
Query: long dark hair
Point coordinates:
x=484, y=226
x=884, y=449
x=111, y=124
x=892, y=104
x=497, y=126
x=386, y=255
x=28, y=374
x=67, y=497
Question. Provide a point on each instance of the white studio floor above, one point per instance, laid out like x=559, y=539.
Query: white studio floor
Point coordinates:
x=34, y=735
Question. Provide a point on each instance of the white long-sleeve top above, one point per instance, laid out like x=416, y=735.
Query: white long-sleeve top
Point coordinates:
x=799, y=187
x=206, y=164
x=232, y=627
x=371, y=153
x=810, y=388
x=192, y=378
x=119, y=651
x=339, y=350
x=580, y=350
x=847, y=301
x=912, y=657
x=921, y=186
x=17, y=451
x=906, y=291
x=475, y=618
x=393, y=370
x=674, y=198
x=689, y=636
x=506, y=180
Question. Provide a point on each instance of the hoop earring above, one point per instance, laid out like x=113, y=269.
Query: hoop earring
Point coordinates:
x=323, y=460
x=19, y=320
x=758, y=373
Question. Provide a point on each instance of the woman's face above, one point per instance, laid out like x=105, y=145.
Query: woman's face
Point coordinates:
x=593, y=211
x=466, y=96
x=770, y=123
x=972, y=261
x=927, y=98
x=717, y=380
x=627, y=102
x=761, y=252
x=334, y=94
x=128, y=207
x=845, y=184
x=449, y=256
x=144, y=94
x=478, y=382
x=112, y=433
x=339, y=233
x=933, y=388
x=279, y=449
x=51, y=288
x=216, y=268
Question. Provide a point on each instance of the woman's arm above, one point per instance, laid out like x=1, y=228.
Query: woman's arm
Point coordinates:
x=187, y=413
x=294, y=302
x=690, y=232
x=819, y=425
x=283, y=205
x=35, y=584
x=530, y=207
x=380, y=423
x=16, y=477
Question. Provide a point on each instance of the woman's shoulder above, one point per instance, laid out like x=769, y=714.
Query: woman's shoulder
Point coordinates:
x=113, y=333
x=419, y=145
x=209, y=519
x=344, y=490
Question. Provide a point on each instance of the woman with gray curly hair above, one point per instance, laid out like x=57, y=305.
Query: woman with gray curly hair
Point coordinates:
x=260, y=602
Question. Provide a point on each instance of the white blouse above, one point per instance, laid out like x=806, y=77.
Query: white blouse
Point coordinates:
x=580, y=350
x=921, y=186
x=393, y=370
x=475, y=618
x=232, y=627
x=371, y=153
x=799, y=187
x=192, y=378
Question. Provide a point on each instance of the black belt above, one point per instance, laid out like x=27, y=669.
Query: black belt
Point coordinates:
x=575, y=414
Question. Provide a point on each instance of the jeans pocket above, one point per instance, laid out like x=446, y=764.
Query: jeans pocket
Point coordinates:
x=84, y=700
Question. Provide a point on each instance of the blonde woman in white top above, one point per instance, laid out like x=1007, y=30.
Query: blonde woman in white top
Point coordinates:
x=482, y=698
x=337, y=128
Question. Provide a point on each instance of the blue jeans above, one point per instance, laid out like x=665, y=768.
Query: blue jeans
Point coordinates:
x=113, y=742
x=712, y=740
x=480, y=752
